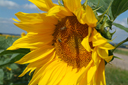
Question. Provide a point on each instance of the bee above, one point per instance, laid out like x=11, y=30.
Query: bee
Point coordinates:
x=59, y=40
x=63, y=28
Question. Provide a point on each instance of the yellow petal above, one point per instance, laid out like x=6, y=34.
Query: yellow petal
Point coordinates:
x=107, y=46
x=104, y=54
x=100, y=74
x=15, y=20
x=37, y=75
x=79, y=13
x=35, y=18
x=91, y=72
x=36, y=22
x=76, y=76
x=67, y=76
x=27, y=69
x=95, y=56
x=58, y=74
x=85, y=41
x=89, y=17
x=40, y=53
x=82, y=80
x=72, y=5
x=98, y=39
x=59, y=12
x=36, y=27
x=29, y=17
x=39, y=63
x=32, y=41
x=47, y=73
x=44, y=5
x=46, y=69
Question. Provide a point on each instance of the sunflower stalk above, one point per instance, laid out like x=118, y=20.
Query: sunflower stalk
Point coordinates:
x=120, y=44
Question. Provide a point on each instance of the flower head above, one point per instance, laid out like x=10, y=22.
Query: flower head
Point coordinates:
x=65, y=47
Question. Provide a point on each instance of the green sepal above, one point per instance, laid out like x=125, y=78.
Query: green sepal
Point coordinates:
x=117, y=57
x=59, y=2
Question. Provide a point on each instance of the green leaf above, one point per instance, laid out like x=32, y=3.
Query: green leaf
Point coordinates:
x=102, y=5
x=118, y=7
x=12, y=60
x=21, y=50
x=1, y=76
x=14, y=66
x=121, y=27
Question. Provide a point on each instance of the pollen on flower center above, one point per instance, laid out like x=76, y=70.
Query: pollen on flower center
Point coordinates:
x=67, y=41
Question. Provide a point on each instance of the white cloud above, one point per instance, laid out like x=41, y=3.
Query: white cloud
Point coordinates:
x=123, y=22
x=29, y=6
x=120, y=34
x=8, y=4
x=6, y=20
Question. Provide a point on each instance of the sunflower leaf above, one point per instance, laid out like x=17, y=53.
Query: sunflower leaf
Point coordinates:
x=118, y=7
x=12, y=60
x=102, y=5
x=1, y=76
x=21, y=51
x=121, y=27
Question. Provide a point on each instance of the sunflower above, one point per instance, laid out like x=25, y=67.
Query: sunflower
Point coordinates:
x=66, y=49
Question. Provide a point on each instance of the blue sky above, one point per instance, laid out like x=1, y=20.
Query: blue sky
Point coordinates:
x=8, y=8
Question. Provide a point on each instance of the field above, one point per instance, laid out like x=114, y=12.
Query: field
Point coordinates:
x=9, y=72
x=116, y=76
x=123, y=51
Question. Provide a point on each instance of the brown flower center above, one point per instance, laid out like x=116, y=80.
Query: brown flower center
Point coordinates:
x=67, y=40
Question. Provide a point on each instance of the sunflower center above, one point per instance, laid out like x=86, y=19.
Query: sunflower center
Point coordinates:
x=67, y=40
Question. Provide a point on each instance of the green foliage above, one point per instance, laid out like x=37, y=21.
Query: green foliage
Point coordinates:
x=15, y=55
x=116, y=76
x=118, y=7
x=103, y=4
x=1, y=76
x=121, y=27
x=5, y=43
x=7, y=59
x=121, y=51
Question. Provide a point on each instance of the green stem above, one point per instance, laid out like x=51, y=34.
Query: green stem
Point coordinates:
x=120, y=44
